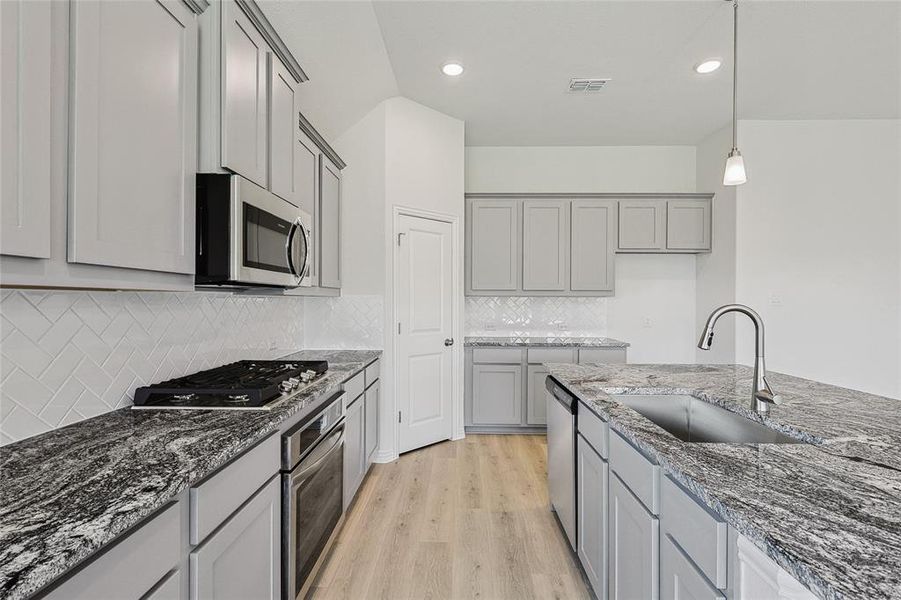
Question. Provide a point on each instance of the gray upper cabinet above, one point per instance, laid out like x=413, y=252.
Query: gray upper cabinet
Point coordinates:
x=329, y=224
x=25, y=122
x=593, y=245
x=132, y=152
x=688, y=225
x=633, y=559
x=496, y=394
x=282, y=128
x=642, y=225
x=242, y=559
x=545, y=245
x=244, y=87
x=493, y=236
x=306, y=188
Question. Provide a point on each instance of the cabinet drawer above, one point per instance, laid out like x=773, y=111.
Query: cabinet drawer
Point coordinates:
x=167, y=589
x=640, y=474
x=353, y=387
x=700, y=533
x=551, y=355
x=372, y=373
x=510, y=356
x=219, y=496
x=130, y=568
x=594, y=430
x=610, y=356
x=679, y=578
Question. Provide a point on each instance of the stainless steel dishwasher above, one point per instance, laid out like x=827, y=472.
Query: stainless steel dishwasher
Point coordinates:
x=561, y=456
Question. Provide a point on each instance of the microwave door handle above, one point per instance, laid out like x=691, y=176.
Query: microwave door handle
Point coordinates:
x=306, y=236
x=289, y=247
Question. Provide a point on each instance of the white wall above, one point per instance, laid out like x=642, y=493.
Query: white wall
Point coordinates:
x=818, y=249
x=715, y=272
x=654, y=306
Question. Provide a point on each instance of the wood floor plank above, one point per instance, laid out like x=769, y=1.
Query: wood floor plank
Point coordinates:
x=467, y=519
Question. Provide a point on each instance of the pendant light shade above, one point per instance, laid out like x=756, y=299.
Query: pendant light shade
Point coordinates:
x=734, y=173
x=735, y=169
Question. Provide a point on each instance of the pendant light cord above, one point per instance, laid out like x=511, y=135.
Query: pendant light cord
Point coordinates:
x=734, y=72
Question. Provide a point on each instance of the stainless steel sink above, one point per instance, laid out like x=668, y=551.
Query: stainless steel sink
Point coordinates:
x=693, y=420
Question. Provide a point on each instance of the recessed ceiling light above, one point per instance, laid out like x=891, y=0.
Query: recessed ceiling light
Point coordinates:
x=708, y=66
x=452, y=69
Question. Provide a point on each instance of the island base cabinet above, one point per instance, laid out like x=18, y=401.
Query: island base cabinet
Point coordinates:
x=633, y=561
x=592, y=481
x=757, y=576
x=679, y=579
x=243, y=558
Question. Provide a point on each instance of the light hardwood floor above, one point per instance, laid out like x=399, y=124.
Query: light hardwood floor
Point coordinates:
x=465, y=519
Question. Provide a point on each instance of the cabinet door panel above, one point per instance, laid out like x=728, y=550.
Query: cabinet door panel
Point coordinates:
x=592, y=246
x=688, y=224
x=592, y=480
x=133, y=135
x=243, y=558
x=633, y=559
x=25, y=124
x=679, y=580
x=545, y=243
x=497, y=395
x=244, y=89
x=372, y=422
x=642, y=224
x=354, y=449
x=329, y=225
x=282, y=128
x=536, y=413
x=493, y=227
x=306, y=188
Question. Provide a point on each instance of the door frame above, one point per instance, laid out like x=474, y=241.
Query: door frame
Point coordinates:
x=456, y=430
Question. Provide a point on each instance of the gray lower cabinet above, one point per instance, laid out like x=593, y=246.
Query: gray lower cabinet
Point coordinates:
x=633, y=560
x=167, y=589
x=679, y=579
x=497, y=394
x=242, y=559
x=329, y=224
x=132, y=178
x=545, y=245
x=25, y=111
x=536, y=406
x=354, y=448
x=592, y=481
x=372, y=421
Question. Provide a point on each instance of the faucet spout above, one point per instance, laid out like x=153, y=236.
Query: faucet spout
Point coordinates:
x=761, y=393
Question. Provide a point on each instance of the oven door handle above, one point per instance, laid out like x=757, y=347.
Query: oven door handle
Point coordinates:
x=306, y=471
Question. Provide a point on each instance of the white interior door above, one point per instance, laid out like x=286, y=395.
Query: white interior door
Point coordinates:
x=424, y=301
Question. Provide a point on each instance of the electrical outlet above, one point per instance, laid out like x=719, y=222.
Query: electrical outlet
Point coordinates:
x=648, y=322
x=775, y=300
x=561, y=326
x=490, y=327
x=273, y=346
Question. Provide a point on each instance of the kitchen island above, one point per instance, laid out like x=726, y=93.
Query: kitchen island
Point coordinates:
x=827, y=511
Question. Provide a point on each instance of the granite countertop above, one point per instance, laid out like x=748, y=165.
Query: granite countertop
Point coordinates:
x=69, y=492
x=542, y=341
x=828, y=512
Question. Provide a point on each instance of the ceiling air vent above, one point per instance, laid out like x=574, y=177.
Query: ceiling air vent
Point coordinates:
x=581, y=84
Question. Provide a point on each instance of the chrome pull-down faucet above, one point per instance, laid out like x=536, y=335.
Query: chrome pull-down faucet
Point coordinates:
x=761, y=393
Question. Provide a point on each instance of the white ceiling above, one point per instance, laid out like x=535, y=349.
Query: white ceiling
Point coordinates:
x=799, y=59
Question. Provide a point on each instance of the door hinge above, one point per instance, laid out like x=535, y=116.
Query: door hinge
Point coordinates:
x=398, y=327
x=399, y=235
x=398, y=417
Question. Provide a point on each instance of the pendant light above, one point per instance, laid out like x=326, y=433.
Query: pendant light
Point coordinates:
x=735, y=164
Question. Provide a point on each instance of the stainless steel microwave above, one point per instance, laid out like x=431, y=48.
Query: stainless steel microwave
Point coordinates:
x=247, y=236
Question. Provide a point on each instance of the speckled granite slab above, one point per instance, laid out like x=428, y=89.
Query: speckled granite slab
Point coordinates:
x=828, y=512
x=538, y=342
x=69, y=492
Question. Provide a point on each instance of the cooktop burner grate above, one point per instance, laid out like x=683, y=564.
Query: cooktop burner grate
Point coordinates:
x=246, y=382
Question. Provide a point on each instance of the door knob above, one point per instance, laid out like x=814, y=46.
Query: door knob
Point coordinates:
x=449, y=342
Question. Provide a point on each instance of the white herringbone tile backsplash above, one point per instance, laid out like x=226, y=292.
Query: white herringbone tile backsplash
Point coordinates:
x=67, y=356
x=348, y=322
x=491, y=315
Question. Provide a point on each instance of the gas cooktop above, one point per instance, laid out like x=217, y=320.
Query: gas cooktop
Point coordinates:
x=243, y=385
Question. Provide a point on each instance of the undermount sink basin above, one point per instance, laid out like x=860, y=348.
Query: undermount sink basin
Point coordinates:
x=693, y=420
